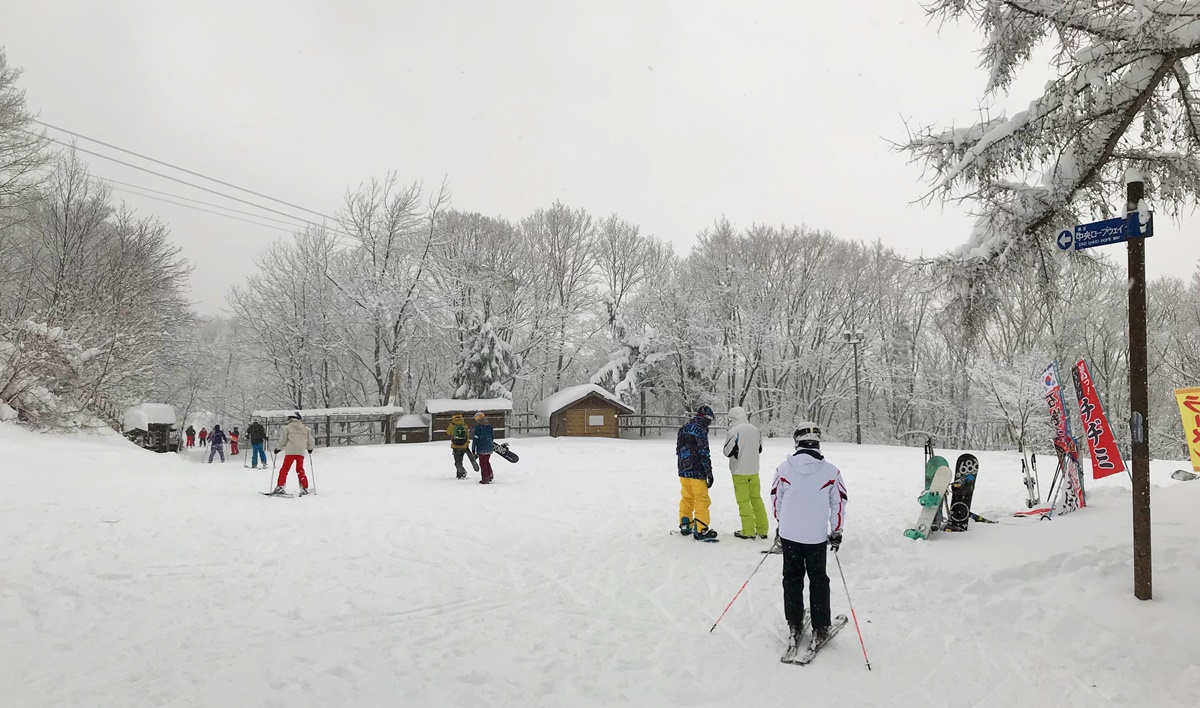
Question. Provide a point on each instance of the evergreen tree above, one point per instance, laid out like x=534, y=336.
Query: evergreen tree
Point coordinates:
x=489, y=362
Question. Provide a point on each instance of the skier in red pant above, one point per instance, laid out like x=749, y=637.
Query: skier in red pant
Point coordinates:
x=295, y=439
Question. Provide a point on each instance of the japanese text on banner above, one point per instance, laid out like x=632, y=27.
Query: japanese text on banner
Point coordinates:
x=1189, y=410
x=1106, y=458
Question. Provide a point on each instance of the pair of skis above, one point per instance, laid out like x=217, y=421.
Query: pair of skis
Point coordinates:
x=793, y=655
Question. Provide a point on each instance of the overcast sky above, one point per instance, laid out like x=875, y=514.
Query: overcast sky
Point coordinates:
x=670, y=114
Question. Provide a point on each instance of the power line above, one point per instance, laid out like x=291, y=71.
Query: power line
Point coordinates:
x=207, y=211
x=198, y=201
x=181, y=169
x=185, y=182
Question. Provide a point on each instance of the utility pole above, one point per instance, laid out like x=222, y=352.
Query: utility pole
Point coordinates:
x=854, y=339
x=1139, y=392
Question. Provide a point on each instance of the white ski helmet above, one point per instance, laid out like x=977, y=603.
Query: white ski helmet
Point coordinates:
x=808, y=434
x=295, y=415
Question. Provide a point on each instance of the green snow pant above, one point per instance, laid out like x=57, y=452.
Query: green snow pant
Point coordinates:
x=748, y=493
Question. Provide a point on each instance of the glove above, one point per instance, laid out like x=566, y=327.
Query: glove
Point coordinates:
x=708, y=479
x=835, y=541
x=275, y=451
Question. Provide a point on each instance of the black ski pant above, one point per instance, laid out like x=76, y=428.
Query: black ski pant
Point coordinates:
x=800, y=559
x=459, y=452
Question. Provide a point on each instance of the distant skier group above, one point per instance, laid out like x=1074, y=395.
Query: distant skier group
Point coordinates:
x=808, y=500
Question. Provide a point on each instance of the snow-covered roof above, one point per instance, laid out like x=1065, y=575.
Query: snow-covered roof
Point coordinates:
x=141, y=416
x=451, y=405
x=567, y=396
x=412, y=421
x=316, y=412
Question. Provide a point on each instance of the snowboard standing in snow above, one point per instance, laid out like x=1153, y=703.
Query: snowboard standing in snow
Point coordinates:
x=938, y=477
x=962, y=491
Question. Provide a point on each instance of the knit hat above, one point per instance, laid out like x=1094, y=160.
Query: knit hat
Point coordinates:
x=480, y=416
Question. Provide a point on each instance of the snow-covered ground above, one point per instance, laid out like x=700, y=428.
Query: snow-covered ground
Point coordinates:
x=133, y=579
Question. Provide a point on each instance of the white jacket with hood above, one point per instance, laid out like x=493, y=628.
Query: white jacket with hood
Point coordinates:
x=809, y=498
x=295, y=438
x=743, y=443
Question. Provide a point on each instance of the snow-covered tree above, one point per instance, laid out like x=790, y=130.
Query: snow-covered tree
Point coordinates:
x=489, y=364
x=1121, y=98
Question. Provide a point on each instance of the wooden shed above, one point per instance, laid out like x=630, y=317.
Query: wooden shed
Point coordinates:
x=152, y=425
x=583, y=411
x=442, y=410
x=412, y=429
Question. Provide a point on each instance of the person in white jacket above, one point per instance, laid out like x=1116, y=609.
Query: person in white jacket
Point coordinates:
x=295, y=439
x=810, y=507
x=743, y=444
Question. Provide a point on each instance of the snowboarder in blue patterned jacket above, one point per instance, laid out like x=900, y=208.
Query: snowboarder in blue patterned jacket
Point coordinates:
x=695, y=475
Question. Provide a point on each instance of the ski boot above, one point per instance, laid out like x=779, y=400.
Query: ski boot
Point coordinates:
x=304, y=491
x=819, y=637
x=701, y=532
x=739, y=534
x=685, y=526
x=763, y=536
x=279, y=490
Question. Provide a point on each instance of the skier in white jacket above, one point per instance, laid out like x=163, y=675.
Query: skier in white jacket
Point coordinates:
x=743, y=444
x=809, y=498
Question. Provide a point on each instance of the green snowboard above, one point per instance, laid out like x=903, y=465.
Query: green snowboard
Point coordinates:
x=938, y=477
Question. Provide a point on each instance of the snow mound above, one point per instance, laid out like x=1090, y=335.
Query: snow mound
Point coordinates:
x=447, y=405
x=141, y=416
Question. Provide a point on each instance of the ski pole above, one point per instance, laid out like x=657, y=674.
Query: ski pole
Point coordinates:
x=851, y=603
x=313, y=471
x=739, y=592
x=271, y=479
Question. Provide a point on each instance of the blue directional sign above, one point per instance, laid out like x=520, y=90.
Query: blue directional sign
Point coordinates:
x=1103, y=233
x=1100, y=233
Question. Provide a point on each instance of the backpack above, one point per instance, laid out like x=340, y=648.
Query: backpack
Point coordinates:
x=460, y=434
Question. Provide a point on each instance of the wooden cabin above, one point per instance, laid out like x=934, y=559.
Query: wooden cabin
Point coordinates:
x=152, y=426
x=411, y=429
x=583, y=411
x=442, y=410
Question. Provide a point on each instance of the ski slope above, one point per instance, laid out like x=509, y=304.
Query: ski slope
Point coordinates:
x=133, y=579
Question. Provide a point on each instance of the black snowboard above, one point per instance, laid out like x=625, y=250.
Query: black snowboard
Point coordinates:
x=962, y=489
x=503, y=451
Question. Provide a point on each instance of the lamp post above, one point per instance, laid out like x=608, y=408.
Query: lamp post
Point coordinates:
x=854, y=339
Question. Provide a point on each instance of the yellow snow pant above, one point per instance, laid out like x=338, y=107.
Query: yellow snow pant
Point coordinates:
x=694, y=501
x=748, y=493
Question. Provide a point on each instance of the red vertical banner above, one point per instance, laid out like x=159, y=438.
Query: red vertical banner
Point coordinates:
x=1106, y=458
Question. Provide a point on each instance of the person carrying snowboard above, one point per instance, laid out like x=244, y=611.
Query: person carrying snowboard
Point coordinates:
x=295, y=439
x=695, y=475
x=191, y=436
x=743, y=444
x=216, y=443
x=203, y=437
x=809, y=499
x=460, y=444
x=482, y=444
x=233, y=441
x=258, y=443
